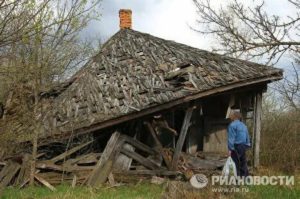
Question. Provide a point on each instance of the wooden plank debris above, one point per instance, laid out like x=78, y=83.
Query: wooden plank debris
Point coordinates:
x=74, y=181
x=8, y=173
x=158, y=172
x=62, y=168
x=25, y=169
x=44, y=182
x=111, y=179
x=123, y=162
x=93, y=167
x=157, y=180
x=84, y=159
x=69, y=152
x=159, y=145
x=104, y=165
x=139, y=145
x=183, y=132
x=143, y=161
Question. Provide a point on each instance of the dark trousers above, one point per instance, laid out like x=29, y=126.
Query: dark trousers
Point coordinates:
x=239, y=158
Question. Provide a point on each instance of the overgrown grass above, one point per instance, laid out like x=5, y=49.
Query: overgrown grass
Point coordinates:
x=272, y=192
x=147, y=190
x=269, y=192
x=235, y=192
x=143, y=190
x=169, y=190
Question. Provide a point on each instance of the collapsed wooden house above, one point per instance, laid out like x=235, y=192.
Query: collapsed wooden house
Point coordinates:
x=142, y=106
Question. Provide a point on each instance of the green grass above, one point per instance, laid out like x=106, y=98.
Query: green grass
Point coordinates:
x=143, y=190
x=147, y=190
x=245, y=192
x=270, y=192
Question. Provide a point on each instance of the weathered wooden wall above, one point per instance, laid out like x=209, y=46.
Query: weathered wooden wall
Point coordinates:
x=216, y=139
x=194, y=139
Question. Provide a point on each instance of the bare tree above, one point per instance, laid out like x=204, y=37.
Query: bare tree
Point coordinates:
x=40, y=50
x=251, y=32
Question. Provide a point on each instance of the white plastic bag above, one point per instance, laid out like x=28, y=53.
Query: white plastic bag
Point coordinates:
x=229, y=168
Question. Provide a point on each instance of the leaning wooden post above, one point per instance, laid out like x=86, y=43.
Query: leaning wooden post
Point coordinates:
x=257, y=127
x=183, y=132
x=158, y=144
x=105, y=163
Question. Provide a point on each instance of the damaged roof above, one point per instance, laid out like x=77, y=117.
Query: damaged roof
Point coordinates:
x=136, y=72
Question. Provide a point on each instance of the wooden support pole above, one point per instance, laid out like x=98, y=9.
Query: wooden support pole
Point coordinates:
x=172, y=124
x=194, y=134
x=158, y=144
x=244, y=114
x=231, y=104
x=183, y=132
x=257, y=127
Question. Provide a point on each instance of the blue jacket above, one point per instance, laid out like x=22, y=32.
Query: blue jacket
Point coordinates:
x=237, y=134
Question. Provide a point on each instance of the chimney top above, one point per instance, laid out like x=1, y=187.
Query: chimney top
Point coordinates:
x=125, y=18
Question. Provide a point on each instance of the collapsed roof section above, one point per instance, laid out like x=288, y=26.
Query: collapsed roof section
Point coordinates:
x=135, y=72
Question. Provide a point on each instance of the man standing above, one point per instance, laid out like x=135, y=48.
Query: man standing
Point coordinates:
x=238, y=142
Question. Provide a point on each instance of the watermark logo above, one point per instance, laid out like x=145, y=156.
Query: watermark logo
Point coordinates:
x=253, y=180
x=199, y=181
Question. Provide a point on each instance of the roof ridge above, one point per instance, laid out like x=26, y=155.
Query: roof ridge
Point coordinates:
x=199, y=49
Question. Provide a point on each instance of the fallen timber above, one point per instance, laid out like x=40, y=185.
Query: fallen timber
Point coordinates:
x=123, y=159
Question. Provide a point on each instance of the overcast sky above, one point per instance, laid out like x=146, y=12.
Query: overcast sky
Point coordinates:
x=168, y=19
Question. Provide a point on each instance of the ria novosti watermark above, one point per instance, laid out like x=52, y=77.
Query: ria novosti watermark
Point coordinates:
x=253, y=180
x=200, y=181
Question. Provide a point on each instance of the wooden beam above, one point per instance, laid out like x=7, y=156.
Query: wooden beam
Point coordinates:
x=183, y=132
x=231, y=103
x=244, y=114
x=158, y=144
x=172, y=124
x=257, y=127
x=44, y=182
x=69, y=152
x=8, y=173
x=195, y=133
x=150, y=172
x=168, y=105
x=123, y=162
x=104, y=165
x=139, y=145
x=74, y=181
x=143, y=161
x=63, y=167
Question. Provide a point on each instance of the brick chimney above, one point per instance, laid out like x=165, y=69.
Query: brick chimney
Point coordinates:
x=125, y=18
